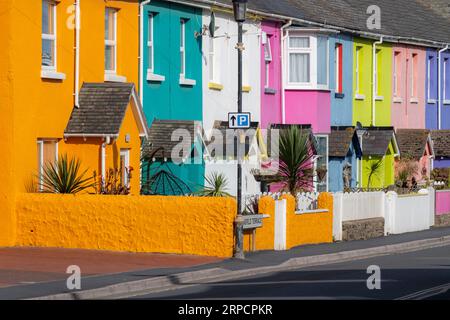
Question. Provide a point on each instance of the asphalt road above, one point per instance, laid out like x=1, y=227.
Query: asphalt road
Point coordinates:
x=422, y=275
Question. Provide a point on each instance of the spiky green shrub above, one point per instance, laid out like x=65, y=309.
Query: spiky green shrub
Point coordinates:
x=64, y=176
x=217, y=184
x=296, y=160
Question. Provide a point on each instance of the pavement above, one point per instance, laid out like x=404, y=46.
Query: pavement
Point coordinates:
x=108, y=275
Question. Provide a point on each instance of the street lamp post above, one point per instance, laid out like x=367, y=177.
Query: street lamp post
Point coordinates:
x=240, y=10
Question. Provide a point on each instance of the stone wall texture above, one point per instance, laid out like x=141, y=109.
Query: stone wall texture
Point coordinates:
x=183, y=225
x=442, y=220
x=362, y=229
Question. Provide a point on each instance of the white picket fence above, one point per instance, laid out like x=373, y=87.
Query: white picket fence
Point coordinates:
x=401, y=213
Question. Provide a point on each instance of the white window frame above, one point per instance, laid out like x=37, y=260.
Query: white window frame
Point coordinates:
x=40, y=144
x=267, y=60
x=183, y=48
x=52, y=37
x=336, y=65
x=316, y=184
x=150, y=43
x=212, y=70
x=444, y=81
x=313, y=56
x=357, y=58
x=429, y=58
x=309, y=51
x=112, y=43
x=125, y=175
x=413, y=79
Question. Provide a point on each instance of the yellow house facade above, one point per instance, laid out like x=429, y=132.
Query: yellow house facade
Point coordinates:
x=48, y=68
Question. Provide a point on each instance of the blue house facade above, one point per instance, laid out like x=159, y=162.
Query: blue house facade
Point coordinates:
x=344, y=154
x=341, y=79
x=172, y=78
x=433, y=104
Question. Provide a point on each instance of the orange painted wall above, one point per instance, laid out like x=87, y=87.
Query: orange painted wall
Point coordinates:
x=264, y=235
x=7, y=218
x=309, y=228
x=301, y=229
x=181, y=225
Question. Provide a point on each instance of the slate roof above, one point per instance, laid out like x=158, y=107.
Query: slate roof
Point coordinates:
x=441, y=143
x=102, y=108
x=412, y=142
x=421, y=19
x=229, y=139
x=340, y=140
x=375, y=141
x=160, y=136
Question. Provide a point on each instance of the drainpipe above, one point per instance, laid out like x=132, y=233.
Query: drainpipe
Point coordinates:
x=103, y=160
x=440, y=86
x=374, y=77
x=283, y=72
x=77, y=52
x=141, y=49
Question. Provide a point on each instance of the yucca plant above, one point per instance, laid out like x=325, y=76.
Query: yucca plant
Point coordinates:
x=296, y=160
x=64, y=176
x=217, y=186
x=374, y=170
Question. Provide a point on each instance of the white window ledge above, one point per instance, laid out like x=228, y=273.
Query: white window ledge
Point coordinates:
x=379, y=98
x=431, y=101
x=155, y=77
x=187, y=82
x=360, y=96
x=111, y=77
x=398, y=100
x=414, y=100
x=50, y=74
x=446, y=102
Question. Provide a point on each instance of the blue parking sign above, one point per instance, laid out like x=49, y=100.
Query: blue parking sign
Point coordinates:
x=239, y=120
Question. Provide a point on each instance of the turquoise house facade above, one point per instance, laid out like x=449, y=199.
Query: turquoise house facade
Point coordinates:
x=172, y=74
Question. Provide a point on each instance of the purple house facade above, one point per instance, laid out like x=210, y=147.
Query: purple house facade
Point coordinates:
x=433, y=104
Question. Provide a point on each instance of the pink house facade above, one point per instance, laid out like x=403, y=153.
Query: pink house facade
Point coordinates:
x=271, y=112
x=408, y=90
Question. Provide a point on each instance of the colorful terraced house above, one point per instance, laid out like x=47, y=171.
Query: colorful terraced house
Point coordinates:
x=172, y=92
x=57, y=98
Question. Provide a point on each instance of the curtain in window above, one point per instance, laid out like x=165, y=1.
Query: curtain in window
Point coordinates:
x=322, y=60
x=299, y=67
x=299, y=42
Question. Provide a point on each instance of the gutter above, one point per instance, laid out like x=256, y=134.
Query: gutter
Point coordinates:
x=440, y=102
x=141, y=49
x=374, y=78
x=103, y=159
x=283, y=71
x=77, y=53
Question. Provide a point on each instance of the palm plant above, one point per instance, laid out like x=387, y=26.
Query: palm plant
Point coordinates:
x=217, y=186
x=63, y=176
x=374, y=170
x=296, y=160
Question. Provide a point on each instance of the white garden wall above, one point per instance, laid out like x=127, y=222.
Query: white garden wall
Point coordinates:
x=405, y=213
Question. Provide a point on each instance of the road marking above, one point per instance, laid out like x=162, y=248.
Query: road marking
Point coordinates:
x=290, y=282
x=423, y=294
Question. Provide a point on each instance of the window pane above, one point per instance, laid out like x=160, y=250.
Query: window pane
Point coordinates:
x=299, y=42
x=47, y=17
x=109, y=58
x=150, y=57
x=109, y=24
x=48, y=50
x=322, y=60
x=182, y=62
x=299, y=67
x=150, y=27
x=182, y=33
x=267, y=51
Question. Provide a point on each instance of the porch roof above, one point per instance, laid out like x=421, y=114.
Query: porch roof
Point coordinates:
x=413, y=142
